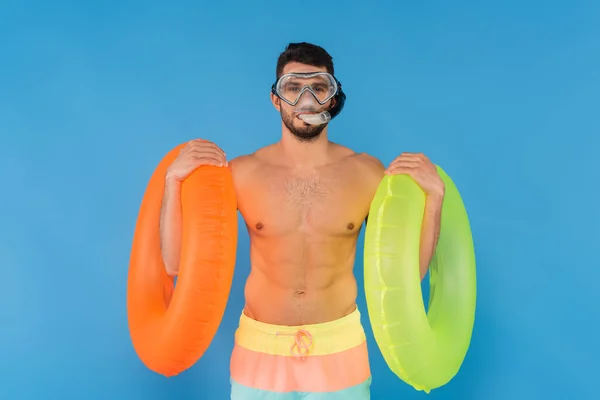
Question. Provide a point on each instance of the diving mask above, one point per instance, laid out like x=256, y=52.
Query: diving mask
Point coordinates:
x=303, y=89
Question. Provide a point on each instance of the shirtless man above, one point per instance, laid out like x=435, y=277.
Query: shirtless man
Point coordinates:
x=304, y=200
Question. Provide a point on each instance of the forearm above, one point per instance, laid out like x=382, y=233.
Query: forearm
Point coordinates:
x=430, y=231
x=171, y=226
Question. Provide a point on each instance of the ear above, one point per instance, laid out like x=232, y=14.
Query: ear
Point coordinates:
x=276, y=102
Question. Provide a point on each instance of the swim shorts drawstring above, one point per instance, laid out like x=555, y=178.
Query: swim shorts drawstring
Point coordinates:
x=302, y=343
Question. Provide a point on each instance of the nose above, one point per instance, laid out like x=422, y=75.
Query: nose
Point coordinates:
x=307, y=99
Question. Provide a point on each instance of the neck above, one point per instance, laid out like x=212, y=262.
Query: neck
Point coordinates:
x=304, y=153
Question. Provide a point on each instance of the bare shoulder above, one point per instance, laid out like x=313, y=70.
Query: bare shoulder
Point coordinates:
x=242, y=167
x=360, y=163
x=372, y=170
x=361, y=160
x=368, y=167
x=240, y=163
x=366, y=173
x=245, y=166
x=370, y=164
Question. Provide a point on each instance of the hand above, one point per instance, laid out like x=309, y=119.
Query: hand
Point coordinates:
x=194, y=154
x=421, y=170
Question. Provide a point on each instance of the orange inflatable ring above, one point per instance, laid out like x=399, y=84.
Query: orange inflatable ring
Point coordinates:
x=170, y=327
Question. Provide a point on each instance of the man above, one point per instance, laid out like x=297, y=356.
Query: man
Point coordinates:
x=304, y=199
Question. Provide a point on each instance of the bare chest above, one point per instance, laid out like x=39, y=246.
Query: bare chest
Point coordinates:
x=320, y=204
x=305, y=194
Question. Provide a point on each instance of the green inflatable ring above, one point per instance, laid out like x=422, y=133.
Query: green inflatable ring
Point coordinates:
x=425, y=350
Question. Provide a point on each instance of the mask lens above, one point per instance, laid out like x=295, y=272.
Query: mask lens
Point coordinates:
x=321, y=85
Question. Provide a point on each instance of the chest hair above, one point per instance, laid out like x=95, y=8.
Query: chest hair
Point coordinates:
x=305, y=193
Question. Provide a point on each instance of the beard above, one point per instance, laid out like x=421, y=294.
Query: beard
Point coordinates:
x=304, y=133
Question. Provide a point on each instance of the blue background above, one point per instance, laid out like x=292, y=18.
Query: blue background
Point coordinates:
x=502, y=95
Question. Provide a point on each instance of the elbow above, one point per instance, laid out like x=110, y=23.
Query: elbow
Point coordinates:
x=425, y=260
x=172, y=269
x=423, y=272
x=172, y=273
x=424, y=265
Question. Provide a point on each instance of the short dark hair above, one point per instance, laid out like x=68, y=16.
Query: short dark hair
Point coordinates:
x=304, y=53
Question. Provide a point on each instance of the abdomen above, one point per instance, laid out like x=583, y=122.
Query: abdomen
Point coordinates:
x=297, y=281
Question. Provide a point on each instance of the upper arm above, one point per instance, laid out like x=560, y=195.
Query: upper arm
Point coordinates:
x=241, y=169
x=373, y=172
x=236, y=168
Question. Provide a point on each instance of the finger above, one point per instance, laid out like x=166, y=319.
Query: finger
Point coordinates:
x=191, y=143
x=199, y=142
x=196, y=153
x=415, y=160
x=219, y=149
x=425, y=160
x=206, y=146
x=414, y=156
x=417, y=171
x=407, y=155
x=209, y=144
x=207, y=161
x=406, y=161
x=196, y=141
x=404, y=164
x=402, y=169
